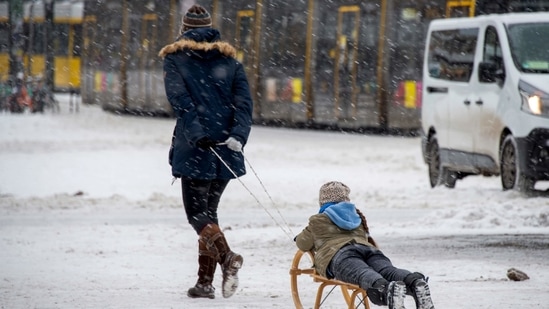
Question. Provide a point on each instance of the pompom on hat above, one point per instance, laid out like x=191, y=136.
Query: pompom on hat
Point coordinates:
x=196, y=17
x=333, y=191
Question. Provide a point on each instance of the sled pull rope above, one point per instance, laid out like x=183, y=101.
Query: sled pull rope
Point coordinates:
x=270, y=198
x=288, y=233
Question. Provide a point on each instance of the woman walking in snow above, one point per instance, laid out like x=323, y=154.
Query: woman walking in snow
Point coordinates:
x=344, y=250
x=209, y=93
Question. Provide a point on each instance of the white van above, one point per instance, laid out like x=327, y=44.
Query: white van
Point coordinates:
x=485, y=101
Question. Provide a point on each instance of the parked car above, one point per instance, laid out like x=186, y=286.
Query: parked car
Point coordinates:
x=485, y=104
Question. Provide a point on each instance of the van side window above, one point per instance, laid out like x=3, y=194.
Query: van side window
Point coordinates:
x=452, y=53
x=492, y=52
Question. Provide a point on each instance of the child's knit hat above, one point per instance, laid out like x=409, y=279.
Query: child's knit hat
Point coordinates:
x=333, y=191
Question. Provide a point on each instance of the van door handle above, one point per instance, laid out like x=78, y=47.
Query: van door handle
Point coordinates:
x=437, y=89
x=479, y=102
x=467, y=102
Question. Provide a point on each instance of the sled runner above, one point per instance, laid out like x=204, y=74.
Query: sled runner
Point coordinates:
x=351, y=293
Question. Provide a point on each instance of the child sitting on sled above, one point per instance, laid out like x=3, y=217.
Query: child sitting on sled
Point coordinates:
x=344, y=250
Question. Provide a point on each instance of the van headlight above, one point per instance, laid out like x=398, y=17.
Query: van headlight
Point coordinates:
x=534, y=101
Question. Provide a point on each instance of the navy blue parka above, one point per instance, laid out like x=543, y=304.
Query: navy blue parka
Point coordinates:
x=209, y=93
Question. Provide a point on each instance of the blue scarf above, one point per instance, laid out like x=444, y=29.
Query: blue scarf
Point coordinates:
x=342, y=214
x=323, y=207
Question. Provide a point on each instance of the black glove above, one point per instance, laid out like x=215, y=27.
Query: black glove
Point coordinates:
x=205, y=143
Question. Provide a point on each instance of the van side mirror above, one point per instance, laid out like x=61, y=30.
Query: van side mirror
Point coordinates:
x=489, y=72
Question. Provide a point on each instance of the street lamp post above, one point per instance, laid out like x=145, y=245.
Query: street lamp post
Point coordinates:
x=30, y=45
x=16, y=40
x=124, y=57
x=49, y=15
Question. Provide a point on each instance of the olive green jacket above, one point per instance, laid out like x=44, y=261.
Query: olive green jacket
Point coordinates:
x=325, y=238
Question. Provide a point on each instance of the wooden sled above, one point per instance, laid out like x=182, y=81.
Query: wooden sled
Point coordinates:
x=351, y=293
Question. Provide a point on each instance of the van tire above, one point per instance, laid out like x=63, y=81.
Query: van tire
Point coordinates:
x=433, y=160
x=511, y=176
x=449, y=178
x=439, y=175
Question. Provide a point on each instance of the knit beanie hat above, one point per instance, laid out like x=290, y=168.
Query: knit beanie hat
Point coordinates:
x=196, y=17
x=333, y=191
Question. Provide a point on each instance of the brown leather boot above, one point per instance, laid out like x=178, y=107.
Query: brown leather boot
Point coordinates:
x=207, y=263
x=230, y=262
x=215, y=242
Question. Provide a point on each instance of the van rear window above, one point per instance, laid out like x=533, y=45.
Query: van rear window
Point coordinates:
x=452, y=53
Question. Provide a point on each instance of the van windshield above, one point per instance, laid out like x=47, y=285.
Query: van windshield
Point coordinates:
x=530, y=46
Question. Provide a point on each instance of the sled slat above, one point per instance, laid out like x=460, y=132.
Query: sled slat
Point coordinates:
x=349, y=291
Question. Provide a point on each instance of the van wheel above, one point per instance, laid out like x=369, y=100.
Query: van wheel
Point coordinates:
x=434, y=161
x=511, y=177
x=449, y=178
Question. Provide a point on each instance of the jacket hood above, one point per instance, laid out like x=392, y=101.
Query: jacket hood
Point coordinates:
x=343, y=215
x=201, y=42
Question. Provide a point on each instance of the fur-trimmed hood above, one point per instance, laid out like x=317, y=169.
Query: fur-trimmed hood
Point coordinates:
x=203, y=42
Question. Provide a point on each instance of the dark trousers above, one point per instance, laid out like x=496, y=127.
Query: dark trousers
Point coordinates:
x=201, y=199
x=363, y=265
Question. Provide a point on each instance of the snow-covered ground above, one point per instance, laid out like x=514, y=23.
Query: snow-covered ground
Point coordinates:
x=89, y=218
